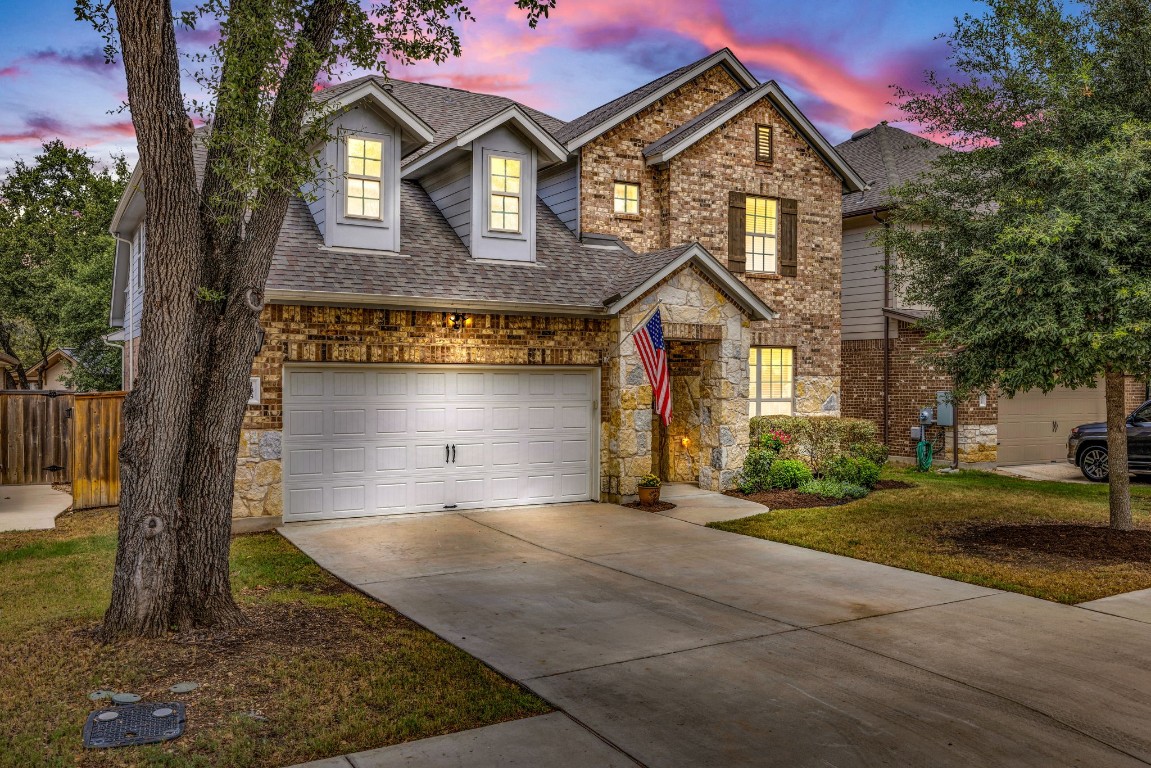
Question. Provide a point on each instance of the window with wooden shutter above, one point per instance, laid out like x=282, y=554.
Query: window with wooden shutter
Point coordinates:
x=736, y=215
x=788, y=237
x=763, y=144
x=761, y=234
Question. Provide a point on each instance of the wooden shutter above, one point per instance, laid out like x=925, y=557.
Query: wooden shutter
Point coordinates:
x=736, y=226
x=763, y=143
x=788, y=237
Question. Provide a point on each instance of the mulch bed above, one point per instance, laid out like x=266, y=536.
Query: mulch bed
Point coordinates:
x=892, y=485
x=659, y=506
x=1080, y=542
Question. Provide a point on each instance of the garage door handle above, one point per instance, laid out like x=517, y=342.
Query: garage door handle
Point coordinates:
x=453, y=454
x=1055, y=426
x=447, y=454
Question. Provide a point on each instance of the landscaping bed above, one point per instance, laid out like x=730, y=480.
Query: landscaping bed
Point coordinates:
x=786, y=498
x=319, y=670
x=1045, y=539
x=659, y=506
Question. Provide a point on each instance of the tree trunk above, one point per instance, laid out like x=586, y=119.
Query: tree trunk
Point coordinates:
x=1119, y=482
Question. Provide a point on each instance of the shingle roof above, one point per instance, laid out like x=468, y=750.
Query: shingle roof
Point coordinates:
x=886, y=157
x=449, y=111
x=435, y=263
x=696, y=124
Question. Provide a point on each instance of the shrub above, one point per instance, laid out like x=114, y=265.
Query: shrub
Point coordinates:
x=788, y=473
x=873, y=451
x=756, y=470
x=774, y=440
x=853, y=469
x=833, y=489
x=818, y=439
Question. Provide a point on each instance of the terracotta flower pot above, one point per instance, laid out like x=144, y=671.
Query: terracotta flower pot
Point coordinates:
x=649, y=496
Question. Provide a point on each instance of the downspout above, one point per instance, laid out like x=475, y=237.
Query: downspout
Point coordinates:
x=128, y=319
x=886, y=333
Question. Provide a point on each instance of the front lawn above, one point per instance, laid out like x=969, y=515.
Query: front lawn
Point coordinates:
x=951, y=525
x=321, y=670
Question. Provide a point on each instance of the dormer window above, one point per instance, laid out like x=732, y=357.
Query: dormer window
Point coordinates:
x=364, y=175
x=504, y=191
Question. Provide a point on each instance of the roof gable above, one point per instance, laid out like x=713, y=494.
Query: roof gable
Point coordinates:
x=605, y=117
x=415, y=131
x=885, y=157
x=668, y=146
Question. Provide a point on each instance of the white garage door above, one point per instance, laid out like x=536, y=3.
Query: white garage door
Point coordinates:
x=364, y=440
x=1033, y=426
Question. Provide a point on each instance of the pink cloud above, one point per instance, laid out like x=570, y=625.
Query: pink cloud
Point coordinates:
x=11, y=71
x=45, y=127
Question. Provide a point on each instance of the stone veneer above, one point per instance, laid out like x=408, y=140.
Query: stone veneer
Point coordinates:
x=363, y=335
x=686, y=200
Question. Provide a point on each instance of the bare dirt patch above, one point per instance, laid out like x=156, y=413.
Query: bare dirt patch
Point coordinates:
x=659, y=506
x=1095, y=543
x=789, y=499
x=892, y=485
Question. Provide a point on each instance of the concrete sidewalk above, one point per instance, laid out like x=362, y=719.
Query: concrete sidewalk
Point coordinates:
x=681, y=645
x=31, y=507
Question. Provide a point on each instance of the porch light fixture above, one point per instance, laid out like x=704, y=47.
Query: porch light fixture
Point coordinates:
x=457, y=321
x=685, y=441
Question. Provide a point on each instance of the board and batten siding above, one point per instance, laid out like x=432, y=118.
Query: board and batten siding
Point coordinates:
x=559, y=188
x=451, y=190
x=862, y=300
x=135, y=299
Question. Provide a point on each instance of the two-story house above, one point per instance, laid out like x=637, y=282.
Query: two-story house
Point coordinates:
x=449, y=313
x=887, y=372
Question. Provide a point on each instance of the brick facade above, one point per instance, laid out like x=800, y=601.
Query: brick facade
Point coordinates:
x=686, y=200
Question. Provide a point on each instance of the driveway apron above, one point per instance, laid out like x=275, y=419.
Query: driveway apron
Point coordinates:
x=680, y=645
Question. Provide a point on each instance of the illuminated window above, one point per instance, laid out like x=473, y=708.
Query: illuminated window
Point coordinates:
x=763, y=144
x=626, y=198
x=365, y=169
x=770, y=392
x=760, y=233
x=505, y=194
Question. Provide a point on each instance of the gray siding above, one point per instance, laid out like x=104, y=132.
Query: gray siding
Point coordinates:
x=559, y=188
x=315, y=193
x=451, y=191
x=505, y=246
x=136, y=282
x=862, y=300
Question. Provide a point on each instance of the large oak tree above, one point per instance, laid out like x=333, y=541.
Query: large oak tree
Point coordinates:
x=211, y=235
x=1033, y=245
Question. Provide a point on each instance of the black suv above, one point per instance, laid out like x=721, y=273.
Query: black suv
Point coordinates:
x=1087, y=445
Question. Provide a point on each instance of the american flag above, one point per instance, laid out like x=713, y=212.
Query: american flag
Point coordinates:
x=653, y=355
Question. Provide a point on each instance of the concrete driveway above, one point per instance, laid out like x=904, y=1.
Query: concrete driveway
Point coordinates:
x=31, y=507
x=679, y=645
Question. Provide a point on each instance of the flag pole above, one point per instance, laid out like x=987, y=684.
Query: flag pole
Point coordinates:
x=615, y=348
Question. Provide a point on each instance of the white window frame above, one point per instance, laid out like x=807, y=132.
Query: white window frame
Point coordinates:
x=492, y=193
x=616, y=199
x=756, y=380
x=348, y=175
x=757, y=261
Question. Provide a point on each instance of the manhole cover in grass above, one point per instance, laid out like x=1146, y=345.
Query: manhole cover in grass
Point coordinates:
x=145, y=723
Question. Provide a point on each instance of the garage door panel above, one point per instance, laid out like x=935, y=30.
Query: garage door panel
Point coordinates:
x=1033, y=426
x=371, y=441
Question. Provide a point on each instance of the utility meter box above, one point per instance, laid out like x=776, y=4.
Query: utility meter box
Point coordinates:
x=916, y=434
x=944, y=409
x=925, y=416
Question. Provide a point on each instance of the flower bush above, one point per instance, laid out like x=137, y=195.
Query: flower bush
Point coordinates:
x=649, y=481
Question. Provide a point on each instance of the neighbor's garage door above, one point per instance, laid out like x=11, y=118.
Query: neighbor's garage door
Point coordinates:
x=372, y=441
x=1033, y=426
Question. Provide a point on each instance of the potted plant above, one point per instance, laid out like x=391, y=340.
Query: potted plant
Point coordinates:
x=649, y=490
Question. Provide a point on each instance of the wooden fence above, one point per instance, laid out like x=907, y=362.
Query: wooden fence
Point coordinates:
x=63, y=437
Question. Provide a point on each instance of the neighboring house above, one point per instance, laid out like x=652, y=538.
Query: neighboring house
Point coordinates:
x=890, y=383
x=49, y=373
x=449, y=312
x=8, y=371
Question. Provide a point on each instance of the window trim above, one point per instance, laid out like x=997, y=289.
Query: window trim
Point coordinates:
x=363, y=176
x=770, y=157
x=638, y=200
x=748, y=255
x=491, y=155
x=759, y=399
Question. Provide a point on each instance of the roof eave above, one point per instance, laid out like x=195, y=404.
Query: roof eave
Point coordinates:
x=701, y=257
x=338, y=298
x=724, y=57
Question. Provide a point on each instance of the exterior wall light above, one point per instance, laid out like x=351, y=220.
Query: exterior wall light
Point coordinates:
x=685, y=441
x=457, y=321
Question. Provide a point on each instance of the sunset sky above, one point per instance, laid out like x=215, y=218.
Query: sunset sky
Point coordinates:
x=836, y=58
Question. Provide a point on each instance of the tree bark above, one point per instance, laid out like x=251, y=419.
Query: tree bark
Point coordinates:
x=1119, y=479
x=158, y=410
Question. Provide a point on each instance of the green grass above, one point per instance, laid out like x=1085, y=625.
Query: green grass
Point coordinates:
x=326, y=670
x=912, y=528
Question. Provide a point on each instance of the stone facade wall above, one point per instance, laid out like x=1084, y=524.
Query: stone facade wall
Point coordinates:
x=913, y=386
x=617, y=155
x=689, y=299
x=688, y=200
